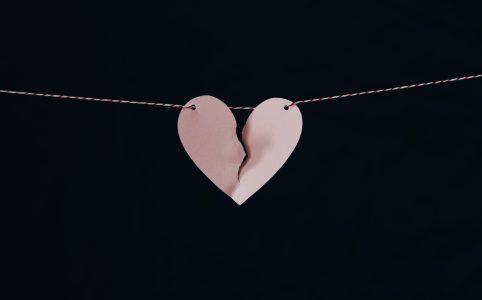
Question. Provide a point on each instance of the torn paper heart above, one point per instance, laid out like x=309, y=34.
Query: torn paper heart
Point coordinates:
x=208, y=133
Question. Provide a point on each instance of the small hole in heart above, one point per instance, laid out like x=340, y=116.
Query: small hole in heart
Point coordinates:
x=193, y=107
x=286, y=107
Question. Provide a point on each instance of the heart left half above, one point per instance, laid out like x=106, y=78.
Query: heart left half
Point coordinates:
x=208, y=134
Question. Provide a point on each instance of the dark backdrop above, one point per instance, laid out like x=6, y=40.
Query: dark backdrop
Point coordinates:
x=380, y=200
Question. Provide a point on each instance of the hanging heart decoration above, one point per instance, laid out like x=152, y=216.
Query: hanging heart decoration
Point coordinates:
x=207, y=130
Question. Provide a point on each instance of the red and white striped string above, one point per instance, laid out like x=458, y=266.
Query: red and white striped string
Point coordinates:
x=107, y=100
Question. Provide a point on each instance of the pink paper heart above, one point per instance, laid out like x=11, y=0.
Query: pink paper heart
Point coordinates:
x=208, y=133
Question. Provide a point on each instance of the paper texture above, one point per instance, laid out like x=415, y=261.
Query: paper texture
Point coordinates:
x=270, y=135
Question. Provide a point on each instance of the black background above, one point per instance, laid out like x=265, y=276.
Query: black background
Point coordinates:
x=380, y=200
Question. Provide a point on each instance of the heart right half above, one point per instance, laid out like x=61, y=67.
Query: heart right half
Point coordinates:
x=208, y=133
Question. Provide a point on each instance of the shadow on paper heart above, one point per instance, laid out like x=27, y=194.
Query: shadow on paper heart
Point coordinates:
x=262, y=142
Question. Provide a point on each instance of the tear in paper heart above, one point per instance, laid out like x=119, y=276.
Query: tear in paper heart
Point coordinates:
x=208, y=133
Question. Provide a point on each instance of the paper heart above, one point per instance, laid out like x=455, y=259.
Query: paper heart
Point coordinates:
x=208, y=133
